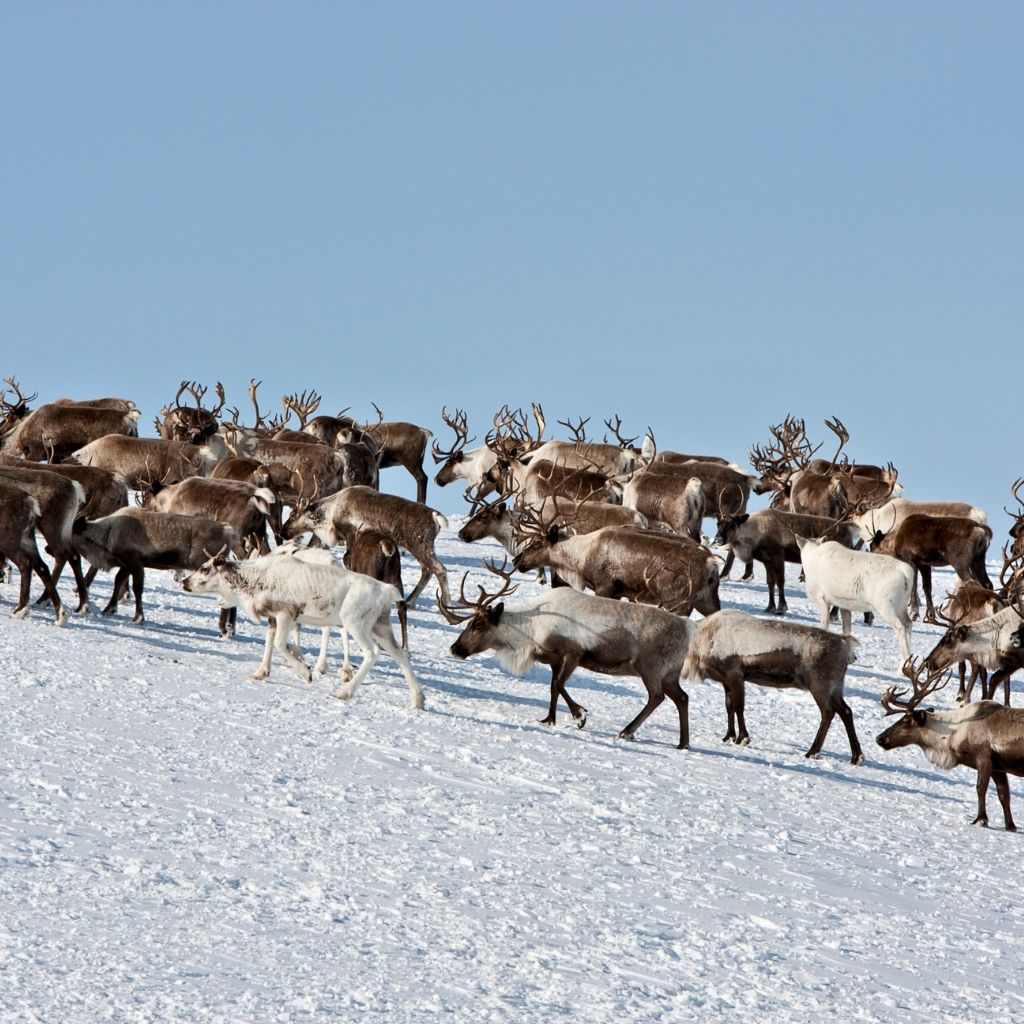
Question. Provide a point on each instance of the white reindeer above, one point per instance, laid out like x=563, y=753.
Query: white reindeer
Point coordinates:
x=289, y=590
x=858, y=581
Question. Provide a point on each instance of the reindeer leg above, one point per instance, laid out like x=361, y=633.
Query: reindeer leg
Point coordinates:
x=119, y=579
x=655, y=696
x=926, y=584
x=321, y=662
x=984, y=774
x=268, y=648
x=369, y=648
x=138, y=581
x=559, y=674
x=675, y=693
x=284, y=647
x=386, y=639
x=1003, y=792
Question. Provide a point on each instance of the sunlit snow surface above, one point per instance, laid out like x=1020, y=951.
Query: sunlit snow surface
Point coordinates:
x=178, y=843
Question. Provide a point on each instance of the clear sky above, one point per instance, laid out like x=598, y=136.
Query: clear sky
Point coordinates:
x=700, y=216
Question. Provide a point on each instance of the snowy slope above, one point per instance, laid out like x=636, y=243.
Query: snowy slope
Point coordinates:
x=179, y=843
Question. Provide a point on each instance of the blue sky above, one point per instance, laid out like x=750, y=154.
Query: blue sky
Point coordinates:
x=701, y=217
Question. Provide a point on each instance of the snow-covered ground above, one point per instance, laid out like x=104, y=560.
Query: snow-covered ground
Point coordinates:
x=178, y=843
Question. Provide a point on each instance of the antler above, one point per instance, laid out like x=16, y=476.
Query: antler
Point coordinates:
x=253, y=385
x=20, y=399
x=303, y=405
x=219, y=389
x=624, y=442
x=576, y=429
x=893, y=701
x=485, y=599
x=837, y=428
x=459, y=425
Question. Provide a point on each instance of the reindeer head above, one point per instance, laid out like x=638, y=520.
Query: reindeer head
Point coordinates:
x=479, y=617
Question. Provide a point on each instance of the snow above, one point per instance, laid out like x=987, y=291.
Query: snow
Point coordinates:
x=178, y=843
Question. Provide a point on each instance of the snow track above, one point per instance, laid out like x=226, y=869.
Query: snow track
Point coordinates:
x=180, y=844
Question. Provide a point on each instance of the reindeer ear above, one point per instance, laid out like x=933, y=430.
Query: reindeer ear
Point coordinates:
x=494, y=612
x=553, y=536
x=500, y=507
x=961, y=633
x=742, y=519
x=878, y=537
x=920, y=717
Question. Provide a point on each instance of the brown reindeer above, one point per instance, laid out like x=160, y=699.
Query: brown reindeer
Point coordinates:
x=193, y=424
x=924, y=542
x=412, y=526
x=984, y=736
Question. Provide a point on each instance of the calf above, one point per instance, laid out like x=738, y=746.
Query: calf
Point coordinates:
x=732, y=647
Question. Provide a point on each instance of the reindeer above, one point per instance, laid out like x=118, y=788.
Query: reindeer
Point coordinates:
x=13, y=412
x=288, y=591
x=674, y=500
x=989, y=641
x=52, y=432
x=984, y=736
x=412, y=526
x=970, y=603
x=924, y=541
x=401, y=444
x=641, y=565
x=59, y=501
x=19, y=516
x=724, y=489
x=566, y=629
x=610, y=460
x=732, y=647
x=193, y=424
x=858, y=581
x=141, y=460
x=134, y=540
x=458, y=464
x=244, y=507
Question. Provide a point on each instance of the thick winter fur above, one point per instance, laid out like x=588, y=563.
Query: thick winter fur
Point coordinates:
x=143, y=460
x=288, y=590
x=725, y=489
x=732, y=647
x=242, y=506
x=985, y=736
x=60, y=502
x=566, y=629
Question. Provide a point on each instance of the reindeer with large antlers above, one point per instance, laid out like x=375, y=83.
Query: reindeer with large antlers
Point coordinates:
x=984, y=736
x=191, y=423
x=458, y=464
x=565, y=629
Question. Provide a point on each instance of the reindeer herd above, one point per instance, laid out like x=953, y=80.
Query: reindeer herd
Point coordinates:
x=616, y=525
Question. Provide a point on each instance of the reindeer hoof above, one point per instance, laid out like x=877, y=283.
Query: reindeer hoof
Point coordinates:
x=259, y=675
x=859, y=759
x=1011, y=827
x=743, y=741
x=980, y=822
x=345, y=693
x=546, y=721
x=20, y=613
x=627, y=736
x=581, y=718
x=108, y=611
